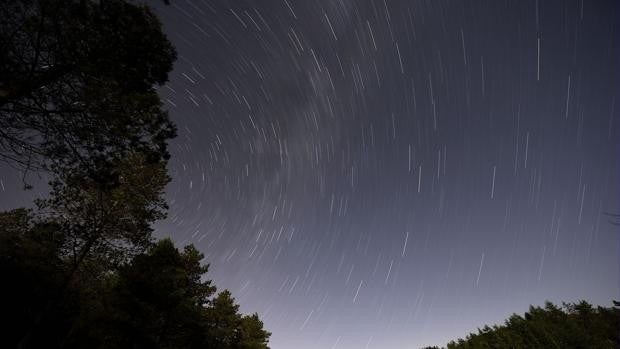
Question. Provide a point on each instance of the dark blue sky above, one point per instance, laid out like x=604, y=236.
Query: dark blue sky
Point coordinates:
x=392, y=174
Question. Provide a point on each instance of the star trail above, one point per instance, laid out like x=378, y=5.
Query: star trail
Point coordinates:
x=394, y=174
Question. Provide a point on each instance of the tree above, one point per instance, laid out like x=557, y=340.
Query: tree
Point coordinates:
x=156, y=301
x=101, y=225
x=31, y=267
x=109, y=218
x=574, y=325
x=230, y=330
x=224, y=320
x=252, y=333
x=77, y=98
x=77, y=84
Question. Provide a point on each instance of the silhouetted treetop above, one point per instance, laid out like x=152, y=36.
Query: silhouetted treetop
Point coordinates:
x=573, y=325
x=81, y=269
x=77, y=83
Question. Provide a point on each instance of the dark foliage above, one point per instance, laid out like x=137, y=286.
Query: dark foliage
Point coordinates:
x=159, y=299
x=77, y=84
x=82, y=270
x=573, y=325
x=111, y=221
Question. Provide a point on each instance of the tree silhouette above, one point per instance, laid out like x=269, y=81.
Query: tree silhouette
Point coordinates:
x=81, y=269
x=77, y=84
x=252, y=334
x=156, y=301
x=159, y=299
x=230, y=330
x=110, y=219
x=573, y=325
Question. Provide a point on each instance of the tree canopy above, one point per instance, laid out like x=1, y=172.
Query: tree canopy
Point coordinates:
x=81, y=268
x=77, y=84
x=113, y=219
x=572, y=325
x=159, y=299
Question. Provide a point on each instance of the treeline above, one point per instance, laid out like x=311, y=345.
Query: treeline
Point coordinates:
x=572, y=325
x=157, y=299
x=81, y=268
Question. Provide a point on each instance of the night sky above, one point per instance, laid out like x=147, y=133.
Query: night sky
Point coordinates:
x=393, y=174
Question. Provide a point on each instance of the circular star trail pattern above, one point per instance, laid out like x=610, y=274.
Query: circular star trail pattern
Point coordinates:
x=393, y=174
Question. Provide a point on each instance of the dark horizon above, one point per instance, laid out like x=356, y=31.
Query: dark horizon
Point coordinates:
x=391, y=174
